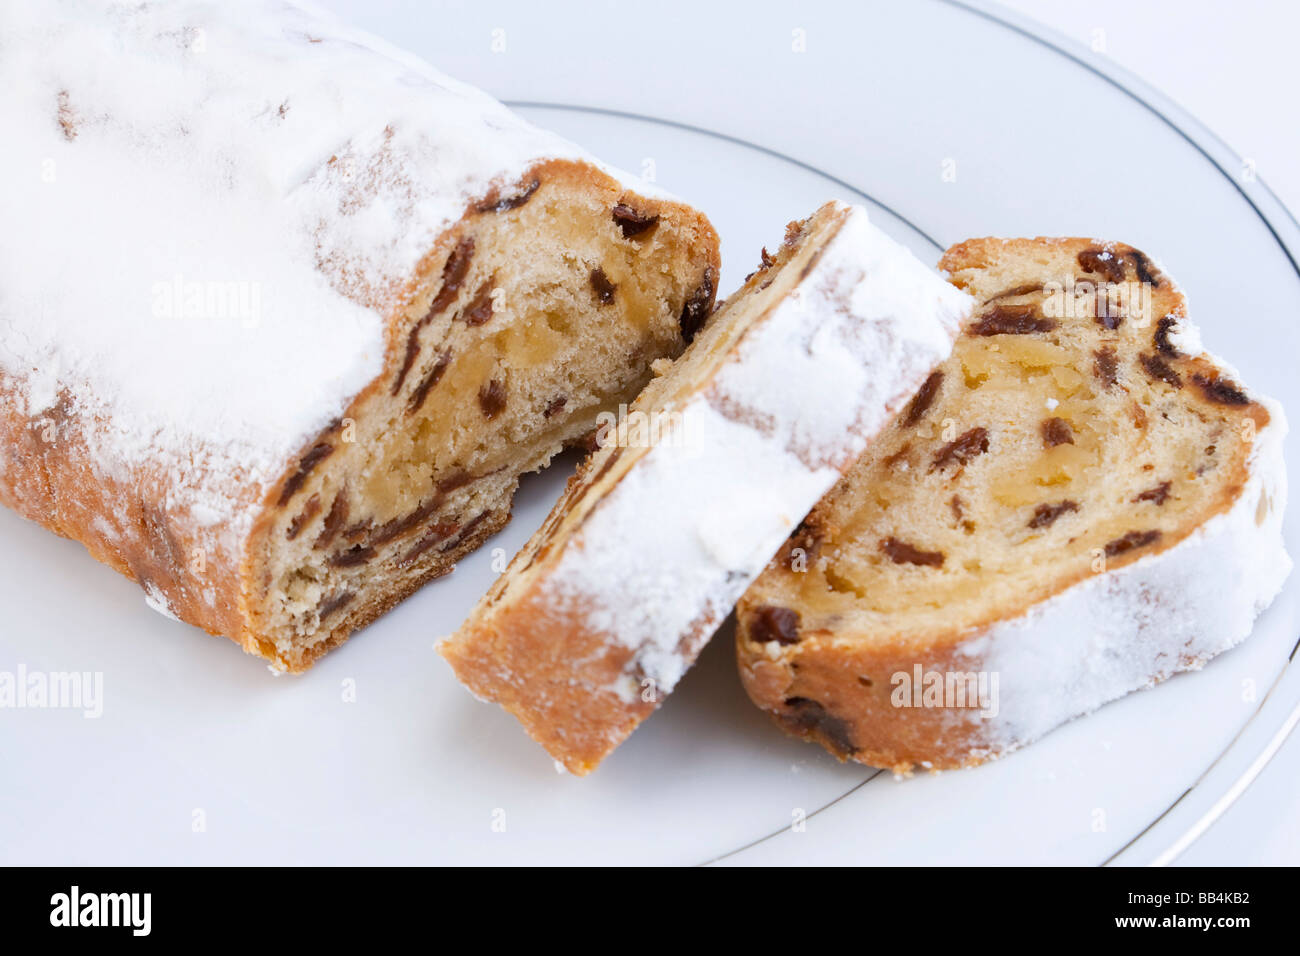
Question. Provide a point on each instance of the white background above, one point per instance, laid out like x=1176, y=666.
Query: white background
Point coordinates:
x=1234, y=66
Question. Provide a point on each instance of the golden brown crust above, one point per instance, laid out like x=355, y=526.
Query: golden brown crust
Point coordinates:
x=49, y=476
x=574, y=718
x=525, y=655
x=848, y=708
x=832, y=683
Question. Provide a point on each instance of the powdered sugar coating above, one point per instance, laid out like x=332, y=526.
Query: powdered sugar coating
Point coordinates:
x=665, y=555
x=1120, y=631
x=210, y=209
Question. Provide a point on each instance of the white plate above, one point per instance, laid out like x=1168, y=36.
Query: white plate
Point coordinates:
x=884, y=99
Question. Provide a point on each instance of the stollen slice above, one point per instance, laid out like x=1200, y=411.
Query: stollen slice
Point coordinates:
x=696, y=485
x=1078, y=503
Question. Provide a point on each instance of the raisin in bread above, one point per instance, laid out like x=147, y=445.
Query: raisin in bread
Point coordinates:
x=291, y=311
x=1080, y=502
x=693, y=490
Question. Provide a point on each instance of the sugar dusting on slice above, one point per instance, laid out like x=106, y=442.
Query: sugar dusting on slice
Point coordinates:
x=663, y=557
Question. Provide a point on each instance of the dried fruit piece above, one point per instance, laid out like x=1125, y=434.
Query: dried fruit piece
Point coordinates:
x=696, y=310
x=810, y=717
x=1012, y=320
x=431, y=378
x=309, y=511
x=764, y=264
x=1156, y=495
x=1026, y=288
x=778, y=624
x=334, y=603
x=492, y=399
x=633, y=223
x=1056, y=431
x=1219, y=390
x=962, y=449
x=396, y=528
x=498, y=202
x=447, y=534
x=357, y=554
x=1101, y=262
x=1160, y=370
x=900, y=552
x=601, y=285
x=334, y=521
x=308, y=461
x=1164, y=328
x=1131, y=541
x=453, y=275
x=479, y=309
x=923, y=398
x=1146, y=272
x=1045, y=515
x=1106, y=366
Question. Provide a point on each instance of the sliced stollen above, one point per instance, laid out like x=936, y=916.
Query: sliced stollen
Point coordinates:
x=1078, y=503
x=696, y=485
x=285, y=312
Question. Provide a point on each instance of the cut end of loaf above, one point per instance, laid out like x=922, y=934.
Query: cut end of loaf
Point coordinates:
x=1076, y=430
x=544, y=307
